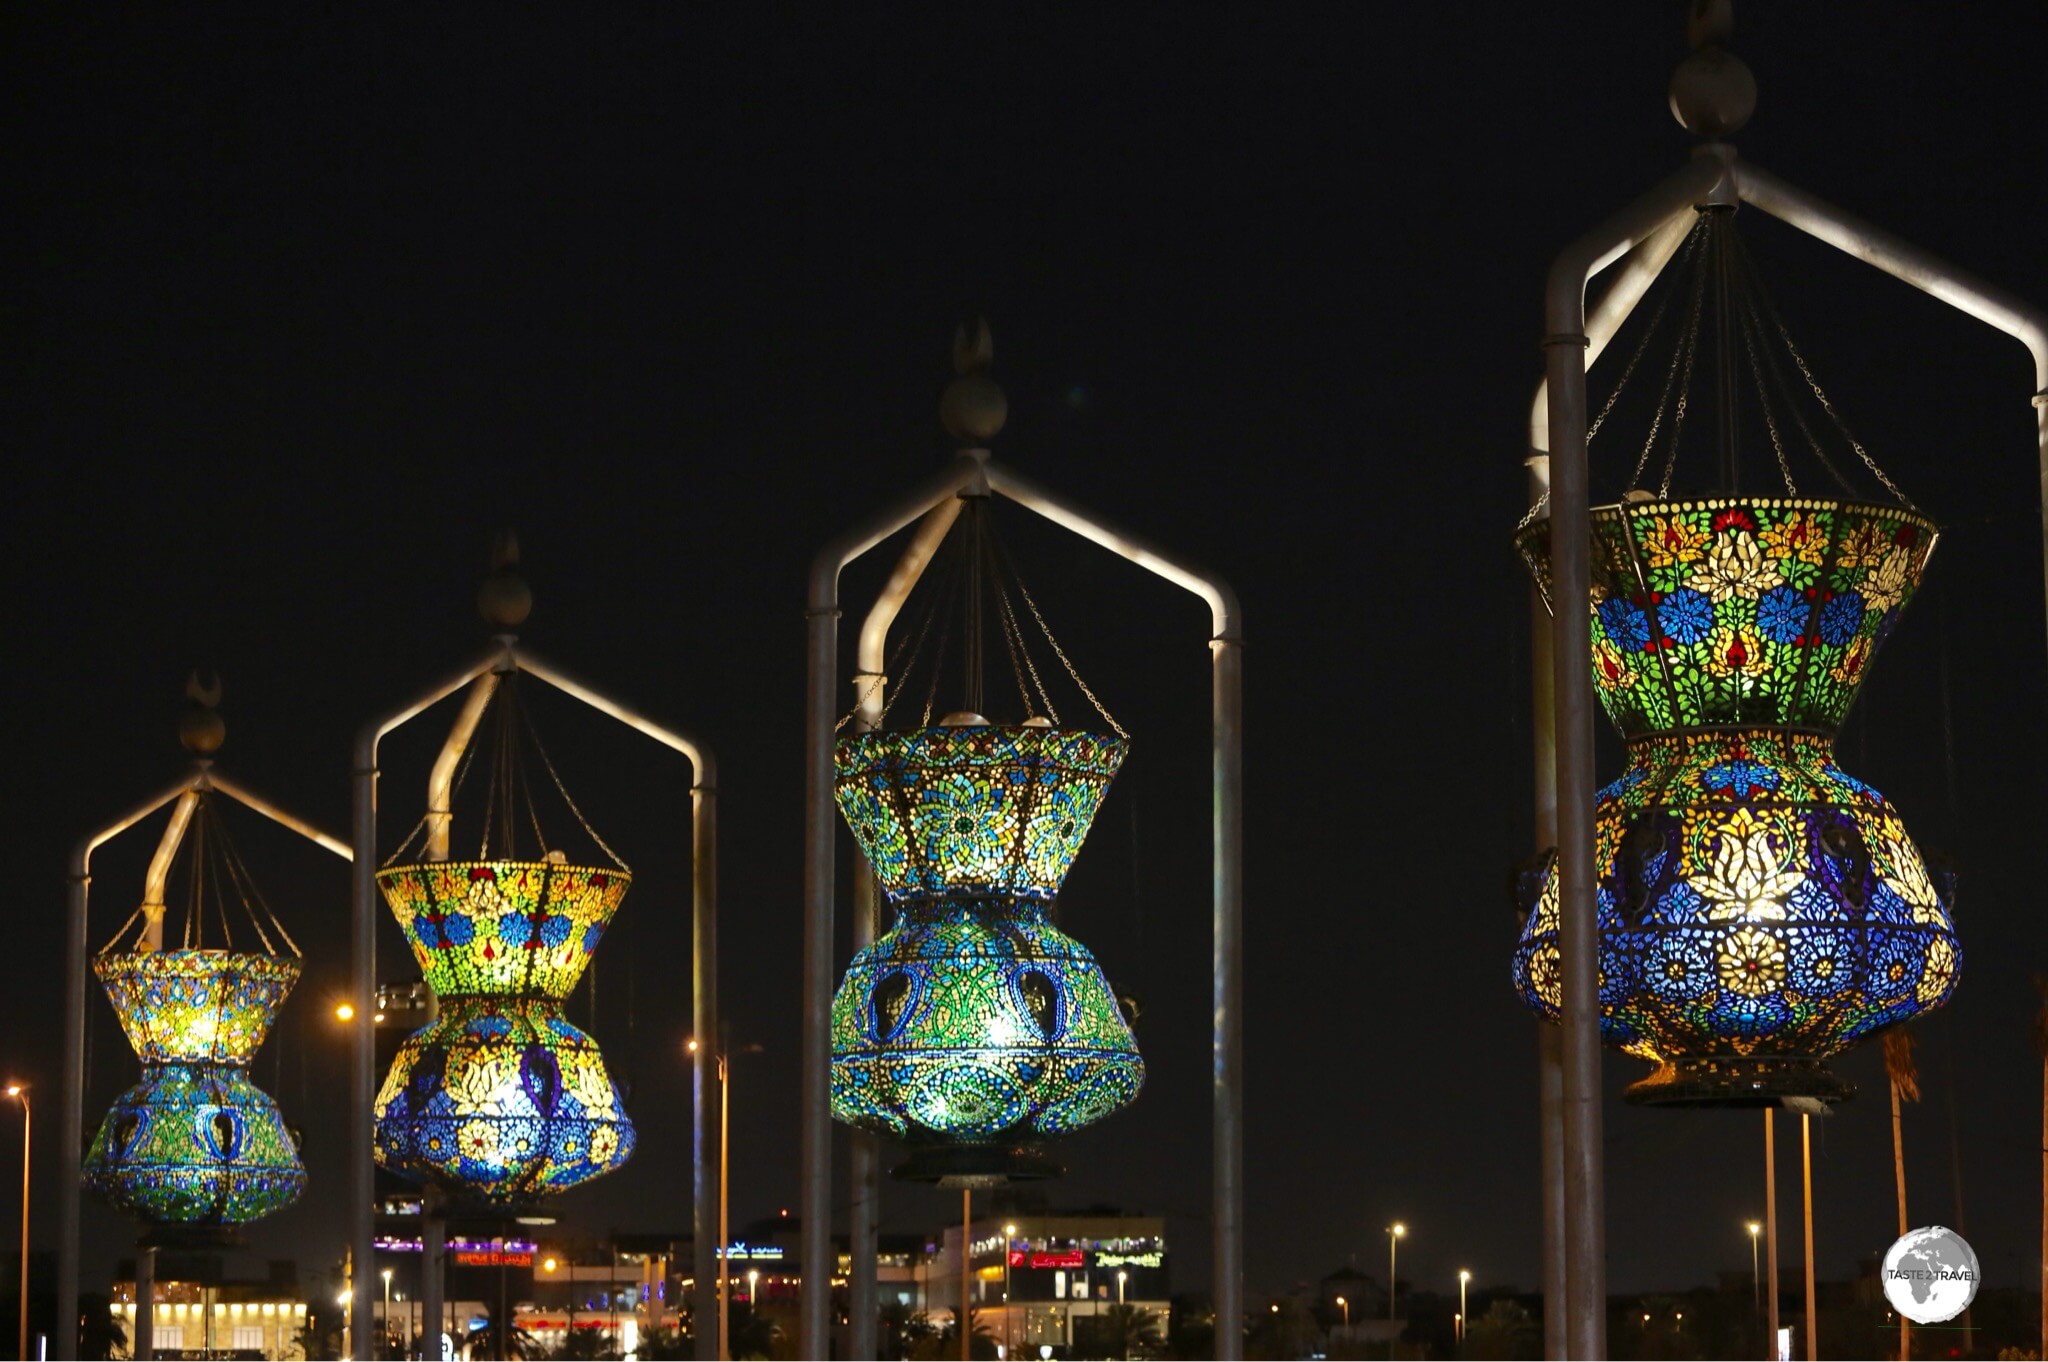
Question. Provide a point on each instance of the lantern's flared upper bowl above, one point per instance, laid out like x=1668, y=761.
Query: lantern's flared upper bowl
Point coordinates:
x=1751, y=611
x=196, y=1006
x=523, y=928
x=990, y=809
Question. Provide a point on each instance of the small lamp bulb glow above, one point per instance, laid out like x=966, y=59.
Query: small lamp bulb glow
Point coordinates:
x=344, y=1012
x=1399, y=1229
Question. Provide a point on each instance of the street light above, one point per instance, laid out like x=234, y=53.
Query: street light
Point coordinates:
x=1345, y=1306
x=1395, y=1233
x=19, y=1092
x=1463, y=1278
x=753, y=1278
x=1009, y=1234
x=1756, y=1279
x=345, y=1012
x=724, y=1058
x=1120, y=1286
x=386, y=1330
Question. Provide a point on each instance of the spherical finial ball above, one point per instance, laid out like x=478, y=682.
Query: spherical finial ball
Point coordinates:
x=974, y=407
x=202, y=731
x=505, y=599
x=1713, y=93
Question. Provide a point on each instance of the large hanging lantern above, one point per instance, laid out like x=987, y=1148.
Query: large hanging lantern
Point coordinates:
x=195, y=1147
x=501, y=1098
x=1759, y=908
x=500, y=1101
x=974, y=1028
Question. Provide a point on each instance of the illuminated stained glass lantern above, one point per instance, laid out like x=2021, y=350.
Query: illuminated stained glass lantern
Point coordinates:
x=974, y=1029
x=1760, y=909
x=196, y=1149
x=500, y=1101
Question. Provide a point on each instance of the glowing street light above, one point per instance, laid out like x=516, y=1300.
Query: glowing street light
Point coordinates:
x=1395, y=1233
x=1009, y=1234
x=1756, y=1279
x=1345, y=1306
x=1463, y=1278
x=344, y=1012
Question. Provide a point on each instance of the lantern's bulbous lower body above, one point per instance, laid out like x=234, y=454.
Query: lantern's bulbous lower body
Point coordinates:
x=198, y=1145
x=1759, y=910
x=501, y=1101
x=978, y=1026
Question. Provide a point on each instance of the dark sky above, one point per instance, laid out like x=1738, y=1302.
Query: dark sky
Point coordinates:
x=305, y=303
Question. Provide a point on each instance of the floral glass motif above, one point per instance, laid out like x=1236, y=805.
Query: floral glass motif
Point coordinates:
x=1760, y=909
x=195, y=1143
x=501, y=1100
x=974, y=1022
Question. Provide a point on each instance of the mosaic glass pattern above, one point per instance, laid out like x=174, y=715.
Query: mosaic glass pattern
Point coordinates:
x=990, y=808
x=501, y=1100
x=504, y=1099
x=195, y=1142
x=1760, y=909
x=974, y=1020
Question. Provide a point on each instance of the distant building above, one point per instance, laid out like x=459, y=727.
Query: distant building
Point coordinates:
x=1049, y=1283
x=200, y=1313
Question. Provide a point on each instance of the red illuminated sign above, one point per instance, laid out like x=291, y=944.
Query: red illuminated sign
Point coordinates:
x=1070, y=1258
x=494, y=1258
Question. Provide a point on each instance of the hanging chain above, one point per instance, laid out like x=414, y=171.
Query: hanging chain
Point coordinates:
x=1805, y=372
x=1061, y=654
x=1691, y=352
x=1044, y=698
x=563, y=790
x=1649, y=332
x=1764, y=405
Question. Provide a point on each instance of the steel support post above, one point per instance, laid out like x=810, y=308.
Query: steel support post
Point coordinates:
x=433, y=1276
x=1565, y=343
x=143, y=1344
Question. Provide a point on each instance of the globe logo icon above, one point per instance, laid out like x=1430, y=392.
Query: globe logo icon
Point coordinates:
x=1930, y=1275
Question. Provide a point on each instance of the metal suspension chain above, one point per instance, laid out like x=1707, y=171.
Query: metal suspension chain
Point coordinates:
x=1806, y=372
x=567, y=798
x=1689, y=353
x=1649, y=332
x=1067, y=662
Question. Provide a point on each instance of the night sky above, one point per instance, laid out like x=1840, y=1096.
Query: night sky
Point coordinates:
x=304, y=304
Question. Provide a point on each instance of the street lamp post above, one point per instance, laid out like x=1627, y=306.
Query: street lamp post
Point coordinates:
x=1463, y=1278
x=1395, y=1232
x=724, y=1059
x=1009, y=1234
x=1120, y=1286
x=19, y=1092
x=384, y=1325
x=1756, y=1275
x=1345, y=1306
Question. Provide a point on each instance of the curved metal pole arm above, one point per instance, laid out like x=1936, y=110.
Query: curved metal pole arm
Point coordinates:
x=243, y=795
x=1224, y=612
x=1900, y=259
x=965, y=472
x=703, y=768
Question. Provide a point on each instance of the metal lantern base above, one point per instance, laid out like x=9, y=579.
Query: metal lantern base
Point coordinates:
x=977, y=1166
x=1738, y=1081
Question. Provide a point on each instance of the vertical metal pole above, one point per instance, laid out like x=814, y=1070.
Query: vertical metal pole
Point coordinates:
x=433, y=1274
x=814, y=1333
x=362, y=1188
x=27, y=1131
x=966, y=1232
x=1571, y=575
x=1227, y=991
x=1899, y=1174
x=143, y=1345
x=1549, y=1039
x=1771, y=1228
x=724, y=1241
x=70, y=1121
x=1806, y=1172
x=865, y=1149
x=707, y=1150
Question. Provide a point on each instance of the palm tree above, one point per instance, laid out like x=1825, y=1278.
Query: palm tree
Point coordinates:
x=944, y=1343
x=753, y=1334
x=1905, y=1086
x=1128, y=1329
x=663, y=1344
